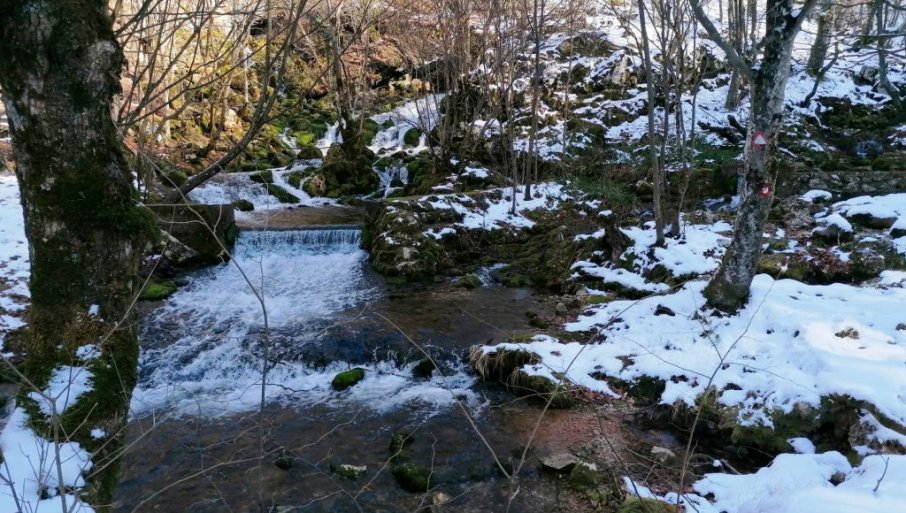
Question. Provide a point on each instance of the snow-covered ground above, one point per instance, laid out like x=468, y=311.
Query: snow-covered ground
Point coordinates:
x=14, y=265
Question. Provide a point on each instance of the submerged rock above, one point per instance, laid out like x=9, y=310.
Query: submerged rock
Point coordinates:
x=412, y=478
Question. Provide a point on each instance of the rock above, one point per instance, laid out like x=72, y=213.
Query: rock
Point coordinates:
x=155, y=290
x=469, y=281
x=412, y=137
x=870, y=221
x=399, y=441
x=837, y=478
x=561, y=309
x=266, y=176
x=182, y=223
x=308, y=152
x=347, y=379
x=243, y=205
x=347, y=471
x=284, y=461
x=585, y=476
x=412, y=478
x=644, y=505
x=867, y=75
x=438, y=500
x=662, y=455
x=663, y=310
x=423, y=369
x=560, y=462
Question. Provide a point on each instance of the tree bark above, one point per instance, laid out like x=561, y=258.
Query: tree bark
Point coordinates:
x=729, y=288
x=59, y=69
x=818, y=53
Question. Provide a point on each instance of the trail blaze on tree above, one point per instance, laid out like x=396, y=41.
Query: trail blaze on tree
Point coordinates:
x=729, y=289
x=59, y=68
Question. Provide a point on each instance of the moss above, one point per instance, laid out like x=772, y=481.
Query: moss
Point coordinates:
x=399, y=442
x=540, y=387
x=281, y=194
x=370, y=128
x=645, y=505
x=157, y=290
x=265, y=177
x=584, y=477
x=469, y=281
x=412, y=137
x=309, y=151
x=412, y=478
x=243, y=205
x=175, y=178
x=347, y=471
x=597, y=299
x=347, y=379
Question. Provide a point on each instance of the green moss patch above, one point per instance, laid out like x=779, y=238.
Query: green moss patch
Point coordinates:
x=347, y=379
x=156, y=290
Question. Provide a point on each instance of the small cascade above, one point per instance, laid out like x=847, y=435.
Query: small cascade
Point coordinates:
x=202, y=346
x=340, y=239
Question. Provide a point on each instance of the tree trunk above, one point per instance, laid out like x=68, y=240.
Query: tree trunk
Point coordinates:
x=653, y=156
x=818, y=53
x=59, y=68
x=729, y=289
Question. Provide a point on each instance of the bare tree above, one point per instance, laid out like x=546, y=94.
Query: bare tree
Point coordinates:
x=767, y=77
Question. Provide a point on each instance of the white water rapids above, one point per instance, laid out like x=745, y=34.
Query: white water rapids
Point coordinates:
x=202, y=349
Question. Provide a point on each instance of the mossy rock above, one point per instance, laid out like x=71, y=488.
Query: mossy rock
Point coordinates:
x=281, y=194
x=295, y=179
x=175, y=178
x=157, y=290
x=347, y=471
x=469, y=281
x=500, y=364
x=645, y=505
x=584, y=476
x=399, y=442
x=780, y=265
x=315, y=186
x=308, y=152
x=554, y=394
x=370, y=128
x=412, y=137
x=347, y=379
x=243, y=205
x=412, y=478
x=265, y=177
x=304, y=138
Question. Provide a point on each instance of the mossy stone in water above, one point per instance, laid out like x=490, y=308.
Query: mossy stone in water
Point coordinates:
x=412, y=478
x=157, y=290
x=281, y=194
x=399, y=441
x=309, y=151
x=243, y=205
x=412, y=137
x=266, y=176
x=347, y=379
x=469, y=281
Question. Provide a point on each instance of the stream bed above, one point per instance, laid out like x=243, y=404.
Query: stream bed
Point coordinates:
x=198, y=431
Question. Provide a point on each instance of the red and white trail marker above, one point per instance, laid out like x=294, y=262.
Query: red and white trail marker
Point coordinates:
x=759, y=140
x=764, y=190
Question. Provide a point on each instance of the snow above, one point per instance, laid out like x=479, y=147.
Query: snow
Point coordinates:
x=815, y=195
x=33, y=466
x=788, y=346
x=879, y=207
x=835, y=220
x=14, y=264
x=421, y=114
x=66, y=385
x=802, y=445
x=231, y=187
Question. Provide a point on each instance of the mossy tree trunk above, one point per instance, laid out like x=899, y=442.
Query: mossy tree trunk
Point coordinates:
x=729, y=289
x=59, y=69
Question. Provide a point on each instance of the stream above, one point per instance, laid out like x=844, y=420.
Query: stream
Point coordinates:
x=198, y=429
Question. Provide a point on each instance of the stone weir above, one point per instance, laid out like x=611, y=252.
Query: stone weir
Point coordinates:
x=302, y=217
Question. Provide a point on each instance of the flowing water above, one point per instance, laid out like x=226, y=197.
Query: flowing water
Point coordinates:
x=197, y=431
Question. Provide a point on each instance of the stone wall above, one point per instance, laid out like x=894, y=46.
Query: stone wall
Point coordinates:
x=848, y=183
x=193, y=226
